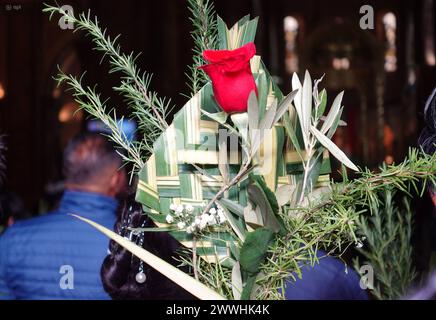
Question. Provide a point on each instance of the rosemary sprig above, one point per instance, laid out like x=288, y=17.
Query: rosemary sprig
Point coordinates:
x=90, y=101
x=204, y=34
x=149, y=110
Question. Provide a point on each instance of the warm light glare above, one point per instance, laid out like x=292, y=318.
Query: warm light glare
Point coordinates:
x=291, y=27
x=390, y=24
x=290, y=24
x=430, y=57
x=390, y=20
x=2, y=92
x=70, y=112
x=341, y=63
x=56, y=94
x=389, y=159
x=429, y=35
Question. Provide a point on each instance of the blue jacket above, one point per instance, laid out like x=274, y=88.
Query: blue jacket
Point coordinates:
x=57, y=256
x=327, y=280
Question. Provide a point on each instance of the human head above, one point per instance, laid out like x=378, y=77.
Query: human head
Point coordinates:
x=120, y=267
x=427, y=139
x=91, y=164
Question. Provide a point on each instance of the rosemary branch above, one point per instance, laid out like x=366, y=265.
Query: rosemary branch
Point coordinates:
x=150, y=110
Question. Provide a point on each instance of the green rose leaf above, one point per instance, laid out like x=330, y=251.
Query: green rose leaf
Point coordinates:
x=254, y=249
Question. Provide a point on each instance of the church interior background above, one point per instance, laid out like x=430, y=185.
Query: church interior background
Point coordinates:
x=387, y=71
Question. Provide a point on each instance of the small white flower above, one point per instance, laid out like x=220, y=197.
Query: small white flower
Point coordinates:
x=203, y=224
x=181, y=225
x=169, y=218
x=189, y=230
x=211, y=220
x=221, y=216
x=173, y=207
x=212, y=211
x=359, y=245
x=189, y=208
x=197, y=221
x=179, y=209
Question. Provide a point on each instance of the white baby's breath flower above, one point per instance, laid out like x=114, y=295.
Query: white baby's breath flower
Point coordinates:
x=197, y=221
x=181, y=225
x=169, y=218
x=173, y=207
x=203, y=224
x=212, y=211
x=221, y=216
x=189, y=208
x=179, y=209
x=359, y=245
x=211, y=220
x=189, y=230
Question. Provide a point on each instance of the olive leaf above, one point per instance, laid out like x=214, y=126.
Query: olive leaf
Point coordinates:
x=334, y=149
x=306, y=101
x=284, y=106
x=241, y=122
x=253, y=217
x=260, y=195
x=220, y=117
x=322, y=105
x=268, y=121
x=296, y=85
x=333, y=113
x=336, y=123
x=266, y=124
x=271, y=118
x=233, y=206
x=284, y=194
x=237, y=281
x=291, y=132
x=233, y=222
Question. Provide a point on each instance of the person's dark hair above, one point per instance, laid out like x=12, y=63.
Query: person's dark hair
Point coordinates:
x=87, y=156
x=120, y=268
x=11, y=206
x=427, y=139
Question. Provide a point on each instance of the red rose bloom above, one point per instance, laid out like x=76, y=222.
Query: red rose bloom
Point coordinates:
x=231, y=76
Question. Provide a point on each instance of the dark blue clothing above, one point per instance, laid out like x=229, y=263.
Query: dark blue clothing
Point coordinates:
x=38, y=255
x=328, y=280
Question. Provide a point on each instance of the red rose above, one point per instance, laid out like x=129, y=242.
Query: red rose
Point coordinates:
x=231, y=76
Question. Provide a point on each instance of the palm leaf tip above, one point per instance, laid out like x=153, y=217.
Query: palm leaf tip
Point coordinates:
x=188, y=283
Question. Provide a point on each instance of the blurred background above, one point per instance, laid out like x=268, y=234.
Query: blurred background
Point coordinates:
x=387, y=71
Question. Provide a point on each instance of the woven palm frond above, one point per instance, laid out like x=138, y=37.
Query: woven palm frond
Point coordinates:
x=183, y=169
